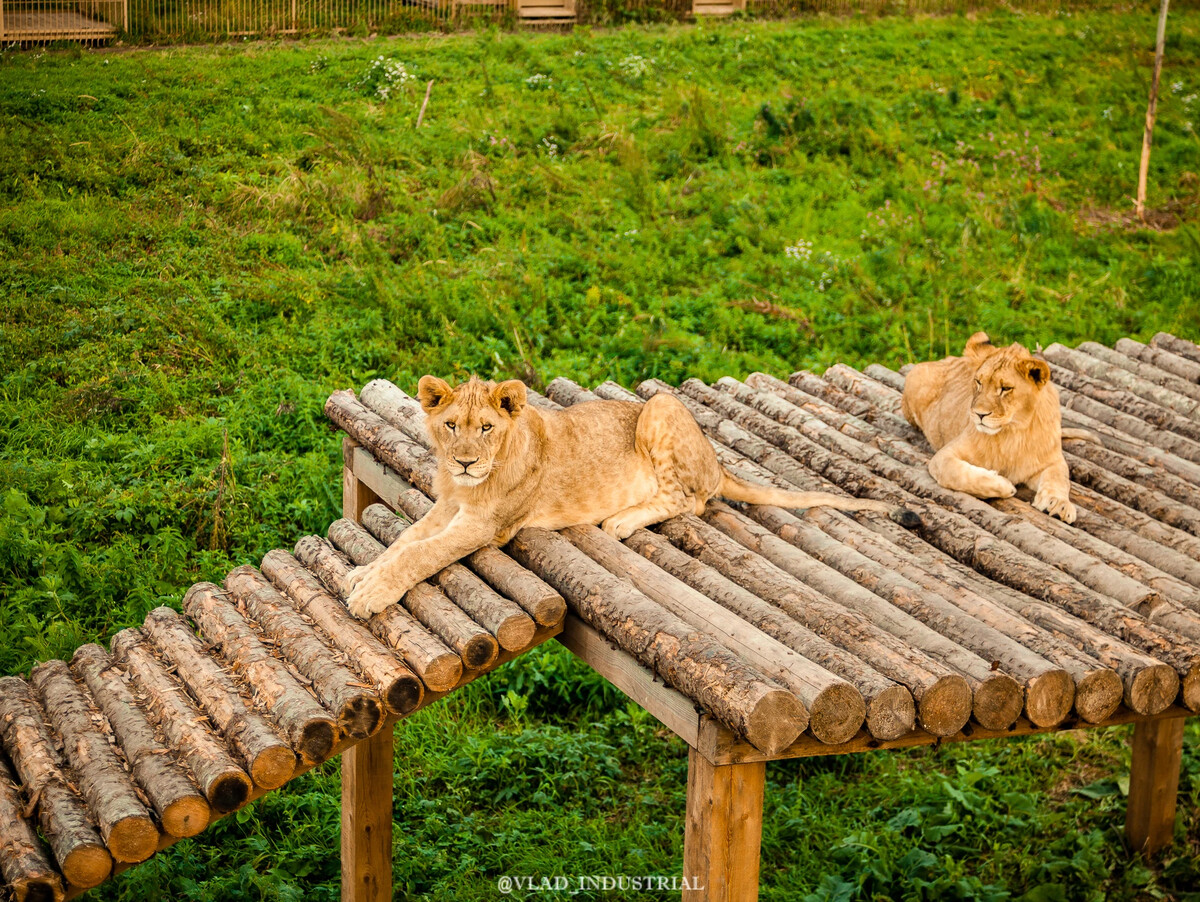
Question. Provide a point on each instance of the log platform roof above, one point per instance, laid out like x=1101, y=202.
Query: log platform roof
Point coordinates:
x=753, y=632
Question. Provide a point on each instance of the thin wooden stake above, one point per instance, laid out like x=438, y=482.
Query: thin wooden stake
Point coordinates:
x=1151, y=111
x=429, y=90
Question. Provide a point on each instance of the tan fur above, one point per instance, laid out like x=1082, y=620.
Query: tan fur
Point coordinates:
x=993, y=417
x=503, y=466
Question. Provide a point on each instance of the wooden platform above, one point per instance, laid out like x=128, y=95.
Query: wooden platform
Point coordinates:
x=546, y=12
x=717, y=9
x=53, y=25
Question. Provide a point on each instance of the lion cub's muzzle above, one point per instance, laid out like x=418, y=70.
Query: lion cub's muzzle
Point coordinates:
x=989, y=424
x=469, y=472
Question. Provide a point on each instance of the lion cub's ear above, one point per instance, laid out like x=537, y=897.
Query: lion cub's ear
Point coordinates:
x=510, y=397
x=1036, y=371
x=978, y=345
x=433, y=393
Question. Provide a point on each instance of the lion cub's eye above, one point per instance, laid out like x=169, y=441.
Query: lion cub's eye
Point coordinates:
x=978, y=384
x=487, y=427
x=1004, y=388
x=451, y=426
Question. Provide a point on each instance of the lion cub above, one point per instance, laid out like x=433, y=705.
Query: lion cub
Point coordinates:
x=993, y=417
x=502, y=466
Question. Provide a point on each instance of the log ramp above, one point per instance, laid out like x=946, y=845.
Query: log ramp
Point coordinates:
x=755, y=633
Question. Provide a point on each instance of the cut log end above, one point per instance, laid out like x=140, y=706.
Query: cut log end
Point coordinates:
x=998, y=702
x=516, y=633
x=360, y=717
x=40, y=889
x=273, y=767
x=891, y=714
x=775, y=722
x=133, y=839
x=87, y=866
x=1097, y=695
x=1153, y=689
x=187, y=816
x=836, y=714
x=229, y=792
x=548, y=610
x=945, y=707
x=442, y=673
x=317, y=740
x=1189, y=689
x=480, y=652
x=404, y=695
x=1048, y=698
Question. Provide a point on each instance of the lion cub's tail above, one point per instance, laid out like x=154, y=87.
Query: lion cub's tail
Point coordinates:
x=735, y=488
x=1083, y=435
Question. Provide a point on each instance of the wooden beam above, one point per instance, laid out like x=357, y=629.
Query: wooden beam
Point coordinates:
x=723, y=832
x=367, y=820
x=367, y=767
x=1154, y=784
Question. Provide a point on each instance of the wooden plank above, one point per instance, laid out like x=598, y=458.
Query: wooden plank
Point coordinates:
x=1154, y=784
x=367, y=769
x=357, y=495
x=723, y=832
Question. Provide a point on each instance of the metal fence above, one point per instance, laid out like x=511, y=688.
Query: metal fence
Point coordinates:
x=98, y=21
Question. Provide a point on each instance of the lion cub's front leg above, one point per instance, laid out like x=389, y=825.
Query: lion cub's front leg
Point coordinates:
x=952, y=472
x=1053, y=492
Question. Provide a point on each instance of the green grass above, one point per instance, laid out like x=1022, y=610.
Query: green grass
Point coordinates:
x=198, y=244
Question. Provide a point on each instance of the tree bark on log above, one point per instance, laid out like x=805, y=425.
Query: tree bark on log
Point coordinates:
x=749, y=704
x=477, y=647
x=125, y=823
x=439, y=668
x=181, y=806
x=65, y=821
x=1152, y=469
x=1126, y=402
x=1175, y=345
x=835, y=708
x=1164, y=359
x=184, y=726
x=890, y=712
x=398, y=686
x=268, y=757
x=504, y=619
x=1174, y=511
x=394, y=406
x=358, y=709
x=804, y=385
x=24, y=865
x=1140, y=523
x=1164, y=398
x=1079, y=403
x=1141, y=369
x=943, y=696
x=1147, y=688
x=408, y=458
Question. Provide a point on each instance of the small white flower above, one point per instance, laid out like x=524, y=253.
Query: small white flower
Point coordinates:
x=538, y=82
x=1176, y=87
x=1107, y=114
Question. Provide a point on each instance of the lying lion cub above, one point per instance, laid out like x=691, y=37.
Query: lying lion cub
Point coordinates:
x=503, y=466
x=994, y=419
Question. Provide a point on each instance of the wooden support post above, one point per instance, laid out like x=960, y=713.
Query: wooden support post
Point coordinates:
x=723, y=830
x=366, y=770
x=1154, y=783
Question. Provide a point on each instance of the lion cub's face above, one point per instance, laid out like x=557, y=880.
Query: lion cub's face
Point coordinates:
x=470, y=423
x=1008, y=383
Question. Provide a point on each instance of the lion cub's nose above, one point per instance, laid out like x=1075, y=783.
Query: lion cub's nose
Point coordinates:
x=465, y=464
x=982, y=416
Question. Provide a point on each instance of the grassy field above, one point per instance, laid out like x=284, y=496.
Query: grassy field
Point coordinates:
x=198, y=244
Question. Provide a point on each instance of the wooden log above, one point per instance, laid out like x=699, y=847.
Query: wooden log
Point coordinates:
x=1074, y=403
x=308, y=727
x=566, y=393
x=998, y=698
x=1165, y=360
x=398, y=686
x=1174, y=511
x=942, y=695
x=182, y=724
x=269, y=759
x=1148, y=684
x=890, y=712
x=24, y=866
x=1128, y=402
x=390, y=445
x=394, y=406
x=504, y=619
x=806, y=385
x=439, y=668
x=477, y=647
x=182, y=807
x=745, y=701
x=836, y=710
x=1140, y=368
x=358, y=710
x=1175, y=345
x=1068, y=359
x=125, y=823
x=1140, y=523
x=1132, y=464
x=64, y=819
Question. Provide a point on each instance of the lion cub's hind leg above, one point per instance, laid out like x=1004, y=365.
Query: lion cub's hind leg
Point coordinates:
x=685, y=467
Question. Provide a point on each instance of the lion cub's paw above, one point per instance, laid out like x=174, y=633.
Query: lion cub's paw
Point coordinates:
x=618, y=528
x=993, y=485
x=1055, y=507
x=368, y=593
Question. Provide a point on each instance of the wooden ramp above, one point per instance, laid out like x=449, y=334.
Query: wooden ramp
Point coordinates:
x=718, y=8
x=546, y=12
